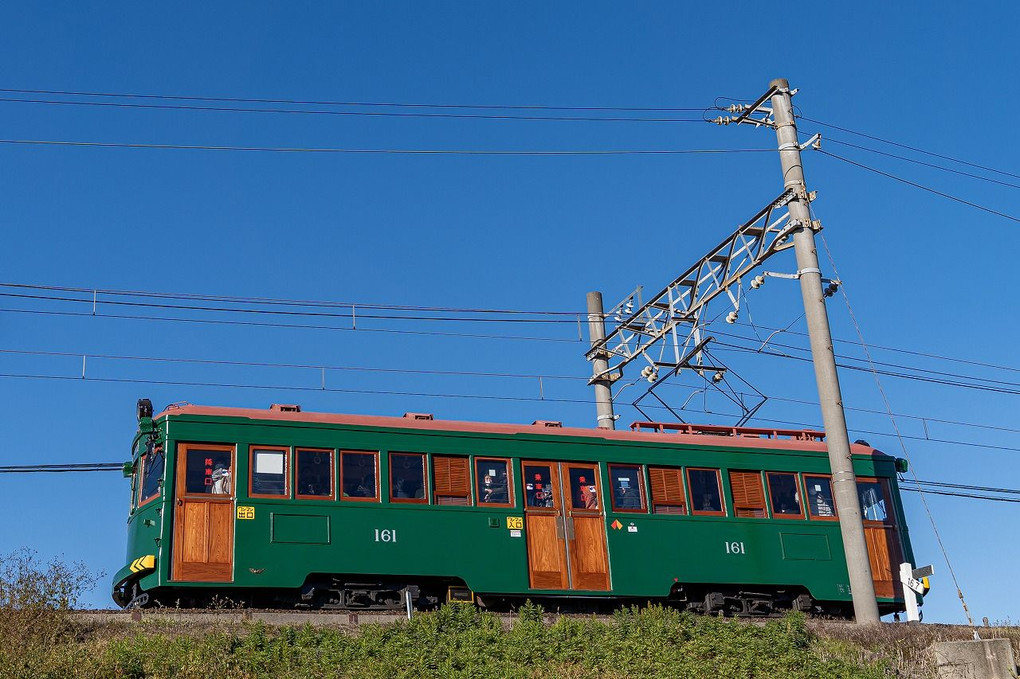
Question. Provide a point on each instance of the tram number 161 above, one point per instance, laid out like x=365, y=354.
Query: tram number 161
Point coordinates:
x=386, y=535
x=735, y=548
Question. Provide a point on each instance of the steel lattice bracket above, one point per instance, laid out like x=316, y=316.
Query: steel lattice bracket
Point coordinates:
x=670, y=322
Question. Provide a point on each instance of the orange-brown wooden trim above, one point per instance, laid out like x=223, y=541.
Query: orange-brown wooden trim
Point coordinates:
x=447, y=488
x=511, y=498
x=375, y=461
x=807, y=507
x=286, y=471
x=800, y=492
x=332, y=474
x=664, y=498
x=424, y=499
x=748, y=493
x=643, y=509
x=718, y=483
x=181, y=461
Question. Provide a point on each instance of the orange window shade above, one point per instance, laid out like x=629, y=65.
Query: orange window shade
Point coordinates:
x=451, y=480
x=667, y=491
x=748, y=494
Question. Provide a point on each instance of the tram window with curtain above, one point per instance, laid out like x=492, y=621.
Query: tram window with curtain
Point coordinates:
x=268, y=472
x=748, y=494
x=667, y=488
x=451, y=480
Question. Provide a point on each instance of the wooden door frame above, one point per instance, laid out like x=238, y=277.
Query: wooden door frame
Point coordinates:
x=565, y=512
x=181, y=497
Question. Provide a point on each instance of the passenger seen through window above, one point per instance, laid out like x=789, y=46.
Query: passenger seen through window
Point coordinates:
x=315, y=473
x=538, y=486
x=407, y=476
x=358, y=473
x=492, y=481
x=705, y=495
x=784, y=494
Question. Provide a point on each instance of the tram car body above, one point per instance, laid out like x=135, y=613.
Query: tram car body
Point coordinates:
x=282, y=507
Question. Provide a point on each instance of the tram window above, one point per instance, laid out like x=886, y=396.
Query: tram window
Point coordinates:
x=785, y=496
x=407, y=477
x=538, y=486
x=151, y=474
x=208, y=471
x=584, y=492
x=748, y=494
x=268, y=472
x=628, y=488
x=872, y=496
x=705, y=489
x=492, y=481
x=358, y=478
x=667, y=484
x=819, y=497
x=451, y=480
x=314, y=477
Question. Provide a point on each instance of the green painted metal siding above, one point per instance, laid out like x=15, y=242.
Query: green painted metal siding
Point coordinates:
x=289, y=539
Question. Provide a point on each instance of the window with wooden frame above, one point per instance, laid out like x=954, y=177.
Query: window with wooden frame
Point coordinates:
x=748, y=494
x=784, y=495
x=313, y=474
x=150, y=476
x=874, y=500
x=407, y=478
x=493, y=484
x=705, y=487
x=268, y=472
x=451, y=480
x=667, y=487
x=627, y=487
x=359, y=476
x=819, y=500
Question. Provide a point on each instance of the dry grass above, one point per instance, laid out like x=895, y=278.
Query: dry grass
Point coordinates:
x=906, y=649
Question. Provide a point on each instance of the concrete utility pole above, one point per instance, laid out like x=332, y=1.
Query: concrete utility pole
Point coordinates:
x=600, y=364
x=844, y=483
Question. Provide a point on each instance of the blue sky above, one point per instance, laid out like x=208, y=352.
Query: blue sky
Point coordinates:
x=923, y=274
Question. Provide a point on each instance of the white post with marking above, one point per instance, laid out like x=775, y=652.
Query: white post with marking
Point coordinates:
x=909, y=595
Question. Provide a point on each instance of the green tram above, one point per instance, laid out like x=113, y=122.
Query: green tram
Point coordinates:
x=282, y=507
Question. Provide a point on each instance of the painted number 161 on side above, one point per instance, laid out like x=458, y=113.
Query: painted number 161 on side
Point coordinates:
x=735, y=548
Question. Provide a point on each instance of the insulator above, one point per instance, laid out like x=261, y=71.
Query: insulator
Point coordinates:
x=757, y=282
x=653, y=376
x=731, y=317
x=718, y=377
x=647, y=371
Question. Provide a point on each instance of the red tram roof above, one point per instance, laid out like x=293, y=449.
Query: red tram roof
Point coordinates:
x=690, y=434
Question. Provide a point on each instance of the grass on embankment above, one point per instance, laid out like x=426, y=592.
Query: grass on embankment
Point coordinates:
x=456, y=641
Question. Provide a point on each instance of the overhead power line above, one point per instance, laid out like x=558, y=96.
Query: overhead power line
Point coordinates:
x=909, y=148
x=921, y=186
x=830, y=140
x=377, y=151
x=374, y=114
x=322, y=102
